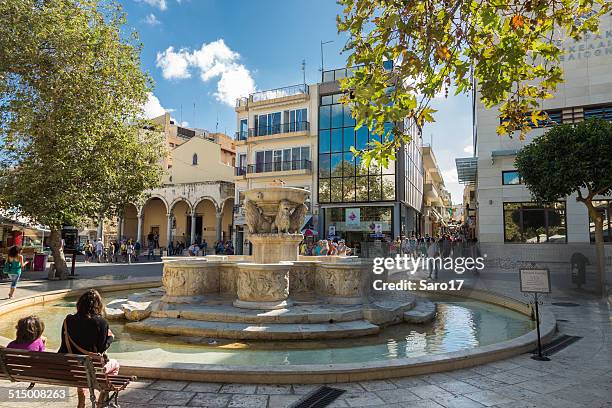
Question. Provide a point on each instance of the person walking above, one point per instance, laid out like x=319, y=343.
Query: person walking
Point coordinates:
x=130, y=251
x=433, y=253
x=88, y=248
x=13, y=266
x=204, y=247
x=151, y=251
x=99, y=250
x=137, y=249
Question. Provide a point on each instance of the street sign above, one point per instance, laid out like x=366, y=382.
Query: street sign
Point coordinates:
x=535, y=280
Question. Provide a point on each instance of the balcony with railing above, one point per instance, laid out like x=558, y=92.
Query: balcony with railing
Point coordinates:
x=340, y=73
x=240, y=171
x=272, y=94
x=272, y=167
x=279, y=129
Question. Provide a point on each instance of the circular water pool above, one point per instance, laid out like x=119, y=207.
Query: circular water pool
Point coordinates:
x=460, y=324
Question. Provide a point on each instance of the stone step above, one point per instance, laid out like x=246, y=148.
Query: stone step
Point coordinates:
x=297, y=314
x=244, y=331
x=423, y=311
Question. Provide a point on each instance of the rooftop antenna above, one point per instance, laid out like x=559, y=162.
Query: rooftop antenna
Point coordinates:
x=194, y=115
x=304, y=71
x=181, y=118
x=217, y=124
x=322, y=44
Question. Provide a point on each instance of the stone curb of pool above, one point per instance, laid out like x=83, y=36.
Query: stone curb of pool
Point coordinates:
x=322, y=373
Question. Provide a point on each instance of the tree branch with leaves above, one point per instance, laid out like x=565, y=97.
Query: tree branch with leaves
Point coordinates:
x=507, y=48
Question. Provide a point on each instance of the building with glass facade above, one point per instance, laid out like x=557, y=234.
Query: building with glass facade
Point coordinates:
x=361, y=203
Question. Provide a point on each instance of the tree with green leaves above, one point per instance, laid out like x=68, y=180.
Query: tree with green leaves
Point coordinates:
x=572, y=159
x=508, y=48
x=72, y=139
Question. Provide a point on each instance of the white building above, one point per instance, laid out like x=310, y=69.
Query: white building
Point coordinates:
x=508, y=223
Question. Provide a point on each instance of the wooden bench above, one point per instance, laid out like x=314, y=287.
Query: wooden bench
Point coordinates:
x=69, y=370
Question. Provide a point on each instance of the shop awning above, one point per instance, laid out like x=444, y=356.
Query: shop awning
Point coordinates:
x=467, y=169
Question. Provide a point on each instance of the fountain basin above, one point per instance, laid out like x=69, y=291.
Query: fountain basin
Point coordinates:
x=262, y=286
x=188, y=281
x=268, y=198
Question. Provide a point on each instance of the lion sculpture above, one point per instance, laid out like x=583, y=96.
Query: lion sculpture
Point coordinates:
x=289, y=217
x=255, y=219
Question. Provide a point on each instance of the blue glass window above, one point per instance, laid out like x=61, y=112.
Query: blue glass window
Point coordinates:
x=348, y=165
x=336, y=116
x=336, y=165
x=324, y=141
x=362, y=138
x=324, y=117
x=348, y=119
x=336, y=140
x=324, y=161
x=511, y=178
x=349, y=139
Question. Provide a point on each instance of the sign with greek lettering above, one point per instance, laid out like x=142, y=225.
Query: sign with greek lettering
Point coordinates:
x=535, y=280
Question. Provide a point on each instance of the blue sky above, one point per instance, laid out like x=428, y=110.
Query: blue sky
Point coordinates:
x=207, y=52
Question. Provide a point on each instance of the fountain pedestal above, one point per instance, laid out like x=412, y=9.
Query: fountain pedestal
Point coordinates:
x=274, y=248
x=262, y=286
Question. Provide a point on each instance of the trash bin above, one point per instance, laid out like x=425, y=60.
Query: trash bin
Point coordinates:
x=40, y=262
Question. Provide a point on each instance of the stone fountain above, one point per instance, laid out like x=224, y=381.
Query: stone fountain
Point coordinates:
x=275, y=294
x=274, y=218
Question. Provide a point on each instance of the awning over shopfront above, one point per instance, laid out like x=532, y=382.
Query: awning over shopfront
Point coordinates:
x=467, y=169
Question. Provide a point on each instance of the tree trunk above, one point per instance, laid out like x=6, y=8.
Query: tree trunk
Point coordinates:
x=57, y=249
x=597, y=218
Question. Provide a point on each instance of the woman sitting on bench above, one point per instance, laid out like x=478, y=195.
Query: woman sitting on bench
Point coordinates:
x=87, y=332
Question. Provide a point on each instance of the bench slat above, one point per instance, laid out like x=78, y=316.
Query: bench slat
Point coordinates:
x=58, y=369
x=24, y=364
x=47, y=356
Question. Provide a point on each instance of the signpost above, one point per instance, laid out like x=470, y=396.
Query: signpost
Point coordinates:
x=536, y=281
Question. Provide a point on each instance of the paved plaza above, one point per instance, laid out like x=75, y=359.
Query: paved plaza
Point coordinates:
x=578, y=376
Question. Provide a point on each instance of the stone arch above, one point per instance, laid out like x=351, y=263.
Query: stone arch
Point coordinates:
x=130, y=216
x=209, y=198
x=225, y=201
x=154, y=196
x=206, y=210
x=155, y=219
x=178, y=200
x=181, y=210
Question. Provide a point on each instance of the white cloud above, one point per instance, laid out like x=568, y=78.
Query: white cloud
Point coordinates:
x=212, y=60
x=153, y=107
x=160, y=4
x=469, y=149
x=151, y=20
x=174, y=65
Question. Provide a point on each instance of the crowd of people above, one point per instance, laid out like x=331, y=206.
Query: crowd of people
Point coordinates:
x=444, y=245
x=325, y=247
x=125, y=250
x=130, y=250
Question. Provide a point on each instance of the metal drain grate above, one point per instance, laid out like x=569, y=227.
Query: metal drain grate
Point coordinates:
x=559, y=344
x=565, y=304
x=319, y=398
